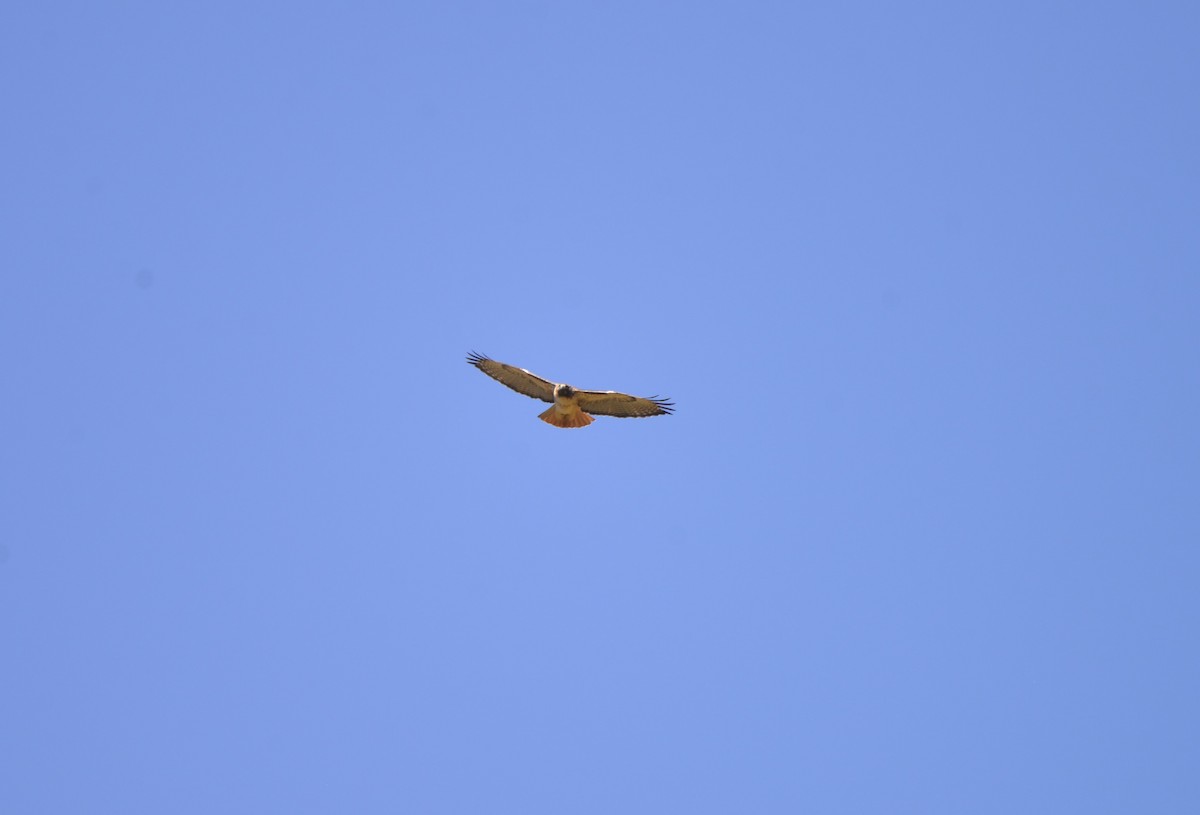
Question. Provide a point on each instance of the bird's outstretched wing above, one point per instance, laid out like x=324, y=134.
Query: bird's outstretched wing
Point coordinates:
x=622, y=405
x=518, y=379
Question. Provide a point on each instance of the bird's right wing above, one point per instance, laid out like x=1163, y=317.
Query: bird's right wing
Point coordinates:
x=518, y=379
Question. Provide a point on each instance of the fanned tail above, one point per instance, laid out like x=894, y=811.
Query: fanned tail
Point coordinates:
x=576, y=418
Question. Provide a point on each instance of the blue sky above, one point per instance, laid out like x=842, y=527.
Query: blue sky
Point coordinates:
x=923, y=280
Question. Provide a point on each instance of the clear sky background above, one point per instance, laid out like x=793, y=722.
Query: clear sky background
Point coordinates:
x=923, y=280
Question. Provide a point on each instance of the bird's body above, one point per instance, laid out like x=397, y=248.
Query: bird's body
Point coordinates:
x=566, y=411
x=571, y=407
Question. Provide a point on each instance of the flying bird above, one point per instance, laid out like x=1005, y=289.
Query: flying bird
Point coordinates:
x=572, y=407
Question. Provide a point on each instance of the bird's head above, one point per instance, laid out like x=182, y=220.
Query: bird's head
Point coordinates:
x=565, y=391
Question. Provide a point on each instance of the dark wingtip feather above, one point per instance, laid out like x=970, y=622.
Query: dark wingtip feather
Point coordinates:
x=475, y=358
x=665, y=406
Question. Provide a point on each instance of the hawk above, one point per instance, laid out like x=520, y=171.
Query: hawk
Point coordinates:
x=572, y=407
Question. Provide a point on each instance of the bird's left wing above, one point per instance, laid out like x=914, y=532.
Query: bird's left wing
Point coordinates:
x=622, y=405
x=516, y=378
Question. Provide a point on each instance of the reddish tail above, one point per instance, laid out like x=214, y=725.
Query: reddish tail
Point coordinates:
x=576, y=418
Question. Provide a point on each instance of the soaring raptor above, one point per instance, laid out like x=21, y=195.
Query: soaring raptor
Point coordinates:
x=572, y=407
